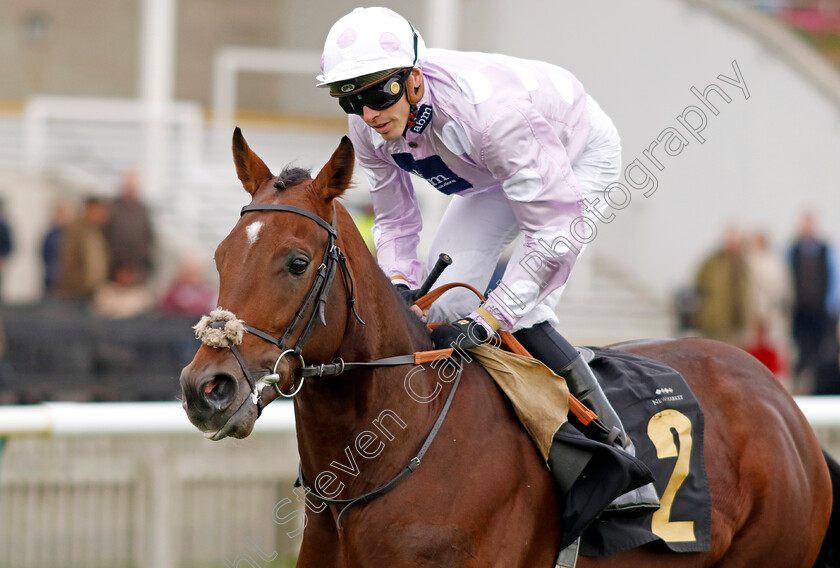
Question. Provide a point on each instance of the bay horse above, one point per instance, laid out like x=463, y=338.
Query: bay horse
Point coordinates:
x=481, y=495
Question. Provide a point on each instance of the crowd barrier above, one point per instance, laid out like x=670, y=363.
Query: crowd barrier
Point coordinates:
x=107, y=485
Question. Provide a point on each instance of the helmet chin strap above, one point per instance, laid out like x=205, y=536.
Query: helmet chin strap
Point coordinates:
x=412, y=118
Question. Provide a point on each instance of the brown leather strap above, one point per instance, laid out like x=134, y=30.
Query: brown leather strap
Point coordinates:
x=426, y=301
x=576, y=407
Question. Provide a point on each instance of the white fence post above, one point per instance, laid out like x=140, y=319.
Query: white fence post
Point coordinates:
x=162, y=495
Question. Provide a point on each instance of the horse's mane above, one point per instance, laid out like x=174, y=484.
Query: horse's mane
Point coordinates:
x=290, y=176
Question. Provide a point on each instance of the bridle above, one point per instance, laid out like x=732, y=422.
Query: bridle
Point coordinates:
x=332, y=260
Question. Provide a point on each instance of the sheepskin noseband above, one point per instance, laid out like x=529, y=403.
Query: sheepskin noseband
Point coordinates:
x=220, y=329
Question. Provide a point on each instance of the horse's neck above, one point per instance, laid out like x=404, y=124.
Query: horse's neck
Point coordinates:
x=390, y=328
x=332, y=412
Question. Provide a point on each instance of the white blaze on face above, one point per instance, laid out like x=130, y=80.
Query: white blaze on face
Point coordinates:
x=253, y=231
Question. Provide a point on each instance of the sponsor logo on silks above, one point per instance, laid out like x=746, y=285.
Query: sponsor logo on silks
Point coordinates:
x=433, y=170
x=424, y=117
x=666, y=390
x=347, y=87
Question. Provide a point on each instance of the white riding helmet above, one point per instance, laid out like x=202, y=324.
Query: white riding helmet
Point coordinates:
x=369, y=40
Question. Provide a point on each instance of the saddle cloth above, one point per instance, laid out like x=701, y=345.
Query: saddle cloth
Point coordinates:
x=661, y=416
x=665, y=422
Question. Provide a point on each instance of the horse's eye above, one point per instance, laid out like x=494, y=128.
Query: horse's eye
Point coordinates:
x=298, y=265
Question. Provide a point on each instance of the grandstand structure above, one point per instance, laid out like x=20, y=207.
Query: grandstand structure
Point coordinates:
x=91, y=88
x=161, y=86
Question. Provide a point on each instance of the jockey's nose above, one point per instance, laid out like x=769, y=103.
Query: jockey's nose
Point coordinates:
x=369, y=115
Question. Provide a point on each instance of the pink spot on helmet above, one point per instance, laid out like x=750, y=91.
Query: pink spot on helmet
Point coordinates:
x=347, y=38
x=389, y=42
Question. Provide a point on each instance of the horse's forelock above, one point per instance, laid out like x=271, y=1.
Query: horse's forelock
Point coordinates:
x=291, y=176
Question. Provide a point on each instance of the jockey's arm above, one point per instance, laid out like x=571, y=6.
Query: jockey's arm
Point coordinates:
x=398, y=221
x=522, y=151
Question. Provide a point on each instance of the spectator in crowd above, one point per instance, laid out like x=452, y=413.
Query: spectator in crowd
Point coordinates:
x=760, y=347
x=189, y=294
x=6, y=243
x=723, y=290
x=125, y=296
x=83, y=254
x=815, y=307
x=129, y=231
x=51, y=246
x=772, y=302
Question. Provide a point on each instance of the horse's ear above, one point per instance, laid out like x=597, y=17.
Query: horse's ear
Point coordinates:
x=334, y=178
x=251, y=170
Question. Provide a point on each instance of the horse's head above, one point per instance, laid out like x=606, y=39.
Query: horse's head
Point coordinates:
x=275, y=269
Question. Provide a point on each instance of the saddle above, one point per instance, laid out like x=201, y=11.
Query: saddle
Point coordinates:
x=662, y=417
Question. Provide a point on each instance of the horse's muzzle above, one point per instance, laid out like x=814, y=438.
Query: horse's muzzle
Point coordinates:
x=217, y=403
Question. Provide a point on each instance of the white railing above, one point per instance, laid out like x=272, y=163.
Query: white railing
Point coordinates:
x=156, y=418
x=105, y=485
x=114, y=419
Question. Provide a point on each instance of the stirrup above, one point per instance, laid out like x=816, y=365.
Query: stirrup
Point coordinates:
x=613, y=437
x=568, y=556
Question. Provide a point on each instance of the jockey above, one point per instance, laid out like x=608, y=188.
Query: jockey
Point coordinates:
x=521, y=148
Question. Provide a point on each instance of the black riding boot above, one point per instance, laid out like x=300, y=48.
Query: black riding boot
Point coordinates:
x=547, y=345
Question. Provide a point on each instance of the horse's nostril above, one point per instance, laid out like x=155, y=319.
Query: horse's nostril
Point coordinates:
x=220, y=391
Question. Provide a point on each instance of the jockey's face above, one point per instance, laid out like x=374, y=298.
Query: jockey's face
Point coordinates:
x=390, y=123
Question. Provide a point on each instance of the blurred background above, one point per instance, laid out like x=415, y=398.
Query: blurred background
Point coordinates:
x=116, y=185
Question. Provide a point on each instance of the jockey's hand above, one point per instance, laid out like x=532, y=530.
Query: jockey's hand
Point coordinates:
x=463, y=334
x=410, y=296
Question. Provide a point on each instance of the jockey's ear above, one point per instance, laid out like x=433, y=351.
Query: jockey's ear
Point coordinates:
x=334, y=177
x=414, y=86
x=251, y=170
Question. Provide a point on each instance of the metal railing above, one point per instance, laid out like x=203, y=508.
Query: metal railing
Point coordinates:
x=117, y=485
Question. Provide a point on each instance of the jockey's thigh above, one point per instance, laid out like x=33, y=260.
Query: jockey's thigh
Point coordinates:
x=474, y=231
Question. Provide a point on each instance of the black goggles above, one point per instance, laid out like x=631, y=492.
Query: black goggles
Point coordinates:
x=378, y=96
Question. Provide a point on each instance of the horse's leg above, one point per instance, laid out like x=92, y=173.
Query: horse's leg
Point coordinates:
x=510, y=501
x=481, y=498
x=320, y=547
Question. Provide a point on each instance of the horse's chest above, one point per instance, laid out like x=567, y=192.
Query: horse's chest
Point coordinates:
x=395, y=546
